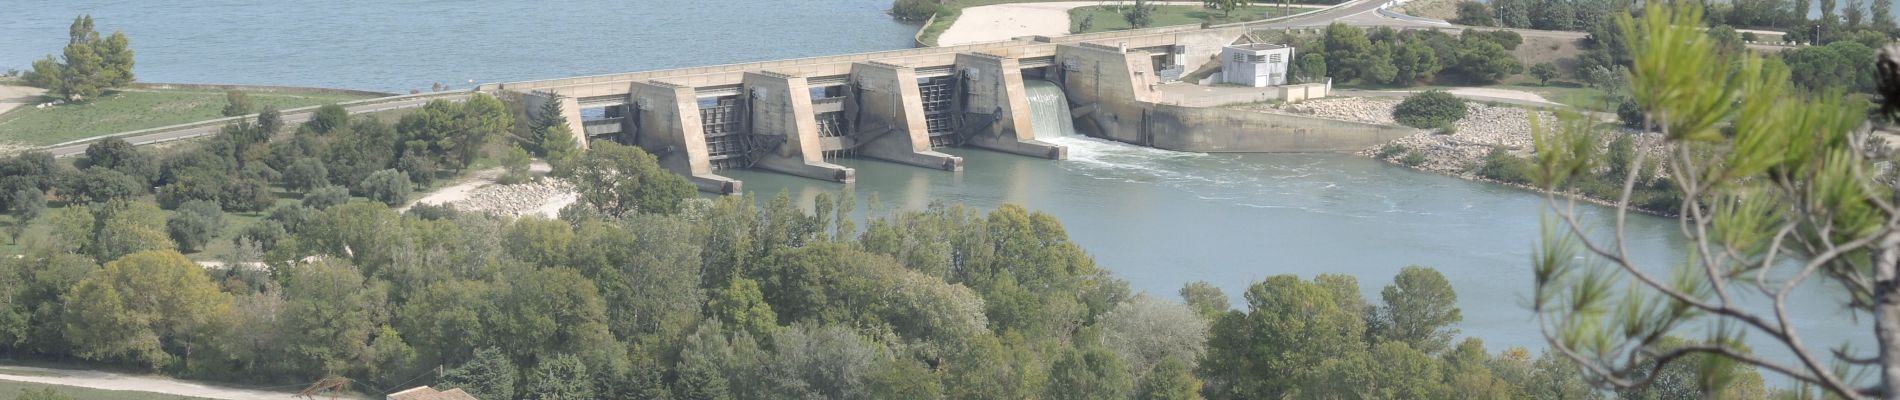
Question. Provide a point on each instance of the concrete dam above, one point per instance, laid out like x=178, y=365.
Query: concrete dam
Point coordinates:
x=792, y=116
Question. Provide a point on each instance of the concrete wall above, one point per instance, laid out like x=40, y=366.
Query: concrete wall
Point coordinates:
x=995, y=88
x=1108, y=87
x=570, y=110
x=781, y=106
x=670, y=129
x=889, y=115
x=1218, y=130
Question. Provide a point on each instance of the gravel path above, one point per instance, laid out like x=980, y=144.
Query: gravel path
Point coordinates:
x=16, y=96
x=140, y=383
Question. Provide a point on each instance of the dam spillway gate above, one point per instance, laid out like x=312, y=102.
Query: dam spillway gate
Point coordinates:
x=795, y=116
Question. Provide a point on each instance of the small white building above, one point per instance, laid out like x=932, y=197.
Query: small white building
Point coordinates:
x=1256, y=64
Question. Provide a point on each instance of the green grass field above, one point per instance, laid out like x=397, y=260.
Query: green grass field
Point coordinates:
x=10, y=390
x=1107, y=19
x=137, y=109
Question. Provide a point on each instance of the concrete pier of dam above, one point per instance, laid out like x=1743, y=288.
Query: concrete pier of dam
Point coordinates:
x=793, y=116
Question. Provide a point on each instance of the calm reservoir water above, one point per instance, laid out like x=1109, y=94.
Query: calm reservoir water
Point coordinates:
x=1157, y=218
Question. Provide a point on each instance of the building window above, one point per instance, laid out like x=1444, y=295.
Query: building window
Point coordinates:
x=1273, y=58
x=1240, y=58
x=1257, y=59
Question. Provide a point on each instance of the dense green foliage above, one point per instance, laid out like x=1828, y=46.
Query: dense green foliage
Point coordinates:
x=914, y=10
x=1429, y=109
x=88, y=66
x=1384, y=56
x=1472, y=13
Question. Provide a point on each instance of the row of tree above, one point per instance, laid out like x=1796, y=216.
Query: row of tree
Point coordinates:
x=1384, y=56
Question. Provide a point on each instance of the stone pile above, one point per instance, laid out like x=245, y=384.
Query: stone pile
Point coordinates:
x=514, y=200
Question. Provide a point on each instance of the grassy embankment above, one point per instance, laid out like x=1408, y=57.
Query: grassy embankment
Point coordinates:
x=1108, y=19
x=951, y=10
x=136, y=109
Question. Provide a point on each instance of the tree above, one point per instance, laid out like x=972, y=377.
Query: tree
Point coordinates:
x=1289, y=327
x=194, y=224
x=1554, y=15
x=388, y=186
x=1348, y=52
x=1169, y=380
x=1414, y=62
x=1486, y=61
x=1772, y=185
x=1140, y=14
x=1513, y=13
x=236, y=103
x=269, y=121
x=328, y=118
x=1310, y=68
x=1089, y=372
x=153, y=308
x=330, y=314
x=305, y=175
x=1420, y=309
x=1226, y=7
x=119, y=155
x=1429, y=110
x=1882, y=19
x=514, y=164
x=490, y=375
x=325, y=198
x=124, y=227
x=742, y=306
x=1145, y=330
x=90, y=64
x=1205, y=298
x=561, y=377
x=1472, y=13
x=1544, y=73
x=619, y=180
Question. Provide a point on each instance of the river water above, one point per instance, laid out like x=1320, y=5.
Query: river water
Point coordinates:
x=1157, y=218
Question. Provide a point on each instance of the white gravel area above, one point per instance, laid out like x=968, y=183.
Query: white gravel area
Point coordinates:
x=480, y=193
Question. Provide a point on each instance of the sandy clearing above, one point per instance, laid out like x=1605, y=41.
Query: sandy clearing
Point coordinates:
x=466, y=187
x=16, y=96
x=1501, y=93
x=1001, y=22
x=141, y=383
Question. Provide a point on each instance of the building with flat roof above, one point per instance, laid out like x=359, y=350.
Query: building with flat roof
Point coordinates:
x=1256, y=64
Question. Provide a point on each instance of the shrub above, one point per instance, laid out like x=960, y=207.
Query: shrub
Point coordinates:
x=1429, y=109
x=1390, y=150
x=432, y=212
x=247, y=195
x=387, y=186
x=1448, y=129
x=1750, y=37
x=264, y=234
x=1630, y=113
x=913, y=10
x=1413, y=158
x=1500, y=165
x=514, y=163
x=326, y=196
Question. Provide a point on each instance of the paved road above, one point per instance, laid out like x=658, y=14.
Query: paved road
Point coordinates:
x=162, y=135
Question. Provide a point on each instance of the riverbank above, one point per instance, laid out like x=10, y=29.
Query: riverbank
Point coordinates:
x=978, y=21
x=1467, y=151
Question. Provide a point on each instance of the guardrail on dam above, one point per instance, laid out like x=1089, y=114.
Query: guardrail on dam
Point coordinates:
x=791, y=116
